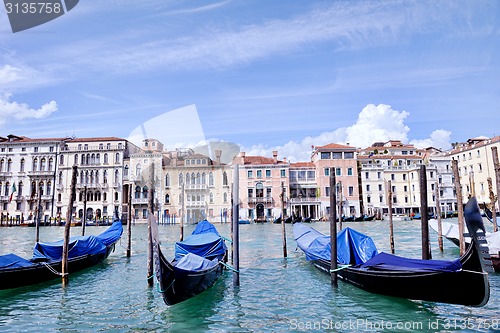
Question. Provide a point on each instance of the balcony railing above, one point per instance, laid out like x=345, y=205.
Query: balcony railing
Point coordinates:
x=139, y=201
x=191, y=204
x=92, y=186
x=304, y=200
x=40, y=173
x=256, y=200
x=195, y=187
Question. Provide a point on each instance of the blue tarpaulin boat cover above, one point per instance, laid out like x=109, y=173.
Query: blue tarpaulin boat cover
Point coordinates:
x=353, y=247
x=13, y=261
x=357, y=249
x=112, y=234
x=204, y=227
x=193, y=262
x=385, y=261
x=205, y=241
x=79, y=246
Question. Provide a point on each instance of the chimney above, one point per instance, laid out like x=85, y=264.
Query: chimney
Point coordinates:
x=275, y=156
x=218, y=154
x=242, y=154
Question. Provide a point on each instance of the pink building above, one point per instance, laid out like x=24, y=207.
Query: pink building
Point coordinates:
x=262, y=180
x=344, y=161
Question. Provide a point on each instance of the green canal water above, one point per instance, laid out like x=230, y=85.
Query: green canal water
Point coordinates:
x=276, y=294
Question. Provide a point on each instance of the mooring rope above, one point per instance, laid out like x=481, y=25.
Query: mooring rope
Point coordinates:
x=229, y=267
x=339, y=268
x=50, y=268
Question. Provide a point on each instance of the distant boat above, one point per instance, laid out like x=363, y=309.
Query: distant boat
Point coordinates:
x=195, y=267
x=243, y=222
x=397, y=217
x=84, y=252
x=450, y=231
x=370, y=218
x=489, y=215
x=278, y=220
x=429, y=280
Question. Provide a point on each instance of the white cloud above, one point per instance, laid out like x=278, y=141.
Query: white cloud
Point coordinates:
x=439, y=139
x=374, y=124
x=21, y=111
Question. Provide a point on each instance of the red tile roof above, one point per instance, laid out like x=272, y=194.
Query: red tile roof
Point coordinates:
x=334, y=146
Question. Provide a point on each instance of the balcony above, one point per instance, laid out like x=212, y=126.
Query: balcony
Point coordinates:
x=49, y=173
x=93, y=186
x=196, y=204
x=257, y=200
x=304, y=200
x=199, y=187
x=139, y=201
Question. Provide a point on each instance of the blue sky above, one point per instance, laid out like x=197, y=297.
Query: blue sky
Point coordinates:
x=264, y=74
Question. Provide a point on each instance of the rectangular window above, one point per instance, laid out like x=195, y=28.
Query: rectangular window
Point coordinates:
x=367, y=187
x=337, y=156
x=282, y=173
x=311, y=175
x=393, y=176
x=268, y=192
x=250, y=192
x=327, y=171
x=325, y=156
x=350, y=190
x=268, y=173
x=338, y=171
x=404, y=176
x=348, y=156
x=367, y=175
x=349, y=171
x=327, y=191
x=380, y=187
x=249, y=174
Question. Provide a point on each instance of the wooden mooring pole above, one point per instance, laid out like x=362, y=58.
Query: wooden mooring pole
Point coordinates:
x=391, y=224
x=129, y=222
x=151, y=216
x=426, y=249
x=69, y=215
x=37, y=214
x=283, y=228
x=460, y=205
x=235, y=199
x=438, y=212
x=84, y=210
x=493, y=200
x=333, y=229
x=496, y=165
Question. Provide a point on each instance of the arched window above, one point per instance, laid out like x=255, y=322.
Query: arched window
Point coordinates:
x=211, y=179
x=49, y=187
x=9, y=165
x=51, y=164
x=224, y=179
x=97, y=177
x=138, y=170
x=198, y=178
x=92, y=159
x=125, y=171
x=87, y=177
x=145, y=192
x=167, y=198
x=92, y=177
x=98, y=196
x=117, y=158
x=104, y=196
x=105, y=177
x=40, y=187
x=203, y=178
x=42, y=164
x=87, y=159
x=76, y=159
x=181, y=179
x=2, y=162
x=20, y=189
x=117, y=177
x=82, y=177
x=83, y=159
x=167, y=180
x=211, y=197
x=106, y=158
x=60, y=178
x=61, y=159
x=193, y=178
x=23, y=162
x=188, y=179
x=35, y=164
x=116, y=196
x=80, y=196
x=6, y=189
x=98, y=159
x=137, y=192
x=225, y=197
x=59, y=197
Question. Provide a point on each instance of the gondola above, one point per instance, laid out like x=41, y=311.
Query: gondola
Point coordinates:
x=489, y=215
x=196, y=266
x=428, y=280
x=369, y=218
x=84, y=252
x=450, y=231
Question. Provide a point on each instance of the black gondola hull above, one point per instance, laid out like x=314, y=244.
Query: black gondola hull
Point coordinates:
x=177, y=285
x=444, y=287
x=39, y=272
